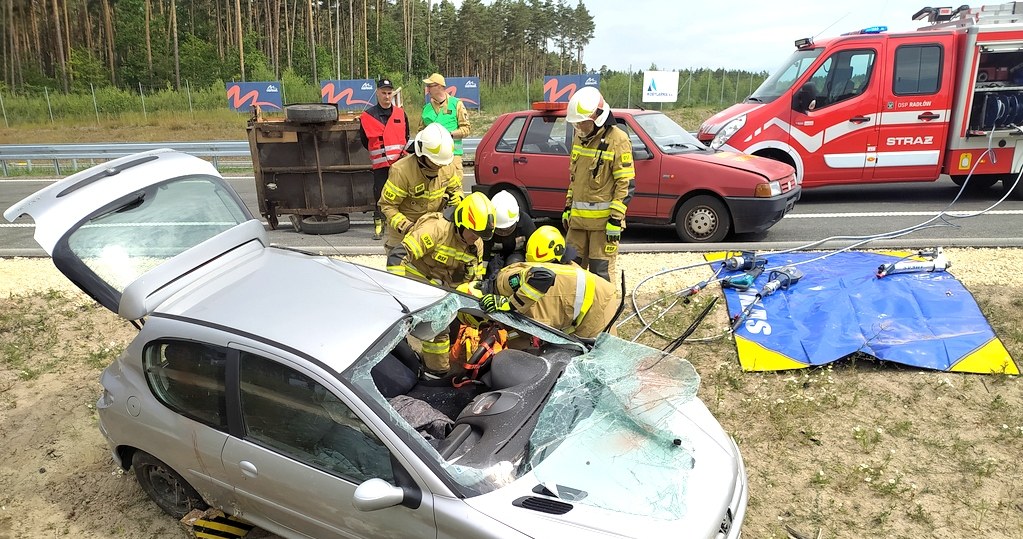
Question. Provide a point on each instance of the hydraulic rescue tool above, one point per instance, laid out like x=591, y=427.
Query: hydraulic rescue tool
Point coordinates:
x=779, y=279
x=748, y=261
x=936, y=261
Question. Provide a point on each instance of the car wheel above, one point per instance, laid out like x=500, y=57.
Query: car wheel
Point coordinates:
x=702, y=219
x=332, y=224
x=164, y=486
x=310, y=113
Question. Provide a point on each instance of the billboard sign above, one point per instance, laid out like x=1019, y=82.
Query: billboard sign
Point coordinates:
x=660, y=86
x=358, y=94
x=559, y=88
x=243, y=95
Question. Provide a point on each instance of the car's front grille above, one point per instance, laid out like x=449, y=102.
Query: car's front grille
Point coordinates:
x=543, y=505
x=788, y=184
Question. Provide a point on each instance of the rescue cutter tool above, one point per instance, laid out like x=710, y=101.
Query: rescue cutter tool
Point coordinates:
x=936, y=262
x=779, y=279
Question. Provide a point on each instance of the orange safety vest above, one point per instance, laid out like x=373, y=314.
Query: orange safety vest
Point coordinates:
x=386, y=142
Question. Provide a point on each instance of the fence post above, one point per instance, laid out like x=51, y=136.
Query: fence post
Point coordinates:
x=188, y=88
x=144, y=114
x=5, y=124
x=721, y=97
x=95, y=106
x=736, y=98
x=46, y=91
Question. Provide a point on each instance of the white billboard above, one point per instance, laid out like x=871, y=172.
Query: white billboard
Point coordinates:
x=660, y=86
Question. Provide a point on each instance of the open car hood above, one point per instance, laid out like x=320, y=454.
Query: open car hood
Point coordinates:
x=121, y=230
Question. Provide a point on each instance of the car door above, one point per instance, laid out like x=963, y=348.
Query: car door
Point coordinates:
x=137, y=228
x=916, y=107
x=541, y=162
x=835, y=116
x=647, y=163
x=302, y=455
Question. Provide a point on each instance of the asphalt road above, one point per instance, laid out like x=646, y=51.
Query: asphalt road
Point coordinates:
x=822, y=213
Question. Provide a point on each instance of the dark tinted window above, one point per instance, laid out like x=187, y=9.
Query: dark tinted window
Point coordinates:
x=842, y=76
x=546, y=135
x=287, y=411
x=917, y=69
x=189, y=377
x=510, y=137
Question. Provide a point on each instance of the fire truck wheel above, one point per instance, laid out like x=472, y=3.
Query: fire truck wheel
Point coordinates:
x=311, y=113
x=702, y=219
x=332, y=224
x=977, y=182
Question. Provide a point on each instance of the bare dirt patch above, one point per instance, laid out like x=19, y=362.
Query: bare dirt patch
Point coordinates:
x=856, y=450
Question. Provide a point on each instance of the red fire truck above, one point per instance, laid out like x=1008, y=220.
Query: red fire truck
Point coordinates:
x=872, y=106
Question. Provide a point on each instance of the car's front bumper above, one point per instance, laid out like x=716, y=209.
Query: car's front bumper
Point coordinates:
x=750, y=214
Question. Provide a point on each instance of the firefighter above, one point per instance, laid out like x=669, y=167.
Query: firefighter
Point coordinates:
x=445, y=249
x=384, y=132
x=602, y=182
x=514, y=227
x=420, y=183
x=563, y=296
x=446, y=110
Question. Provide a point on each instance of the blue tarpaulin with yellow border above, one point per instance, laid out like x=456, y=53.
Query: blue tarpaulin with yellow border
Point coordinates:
x=839, y=307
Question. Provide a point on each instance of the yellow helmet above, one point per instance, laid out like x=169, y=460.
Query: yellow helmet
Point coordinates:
x=545, y=245
x=476, y=213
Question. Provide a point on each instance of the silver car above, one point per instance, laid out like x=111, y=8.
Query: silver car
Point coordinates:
x=285, y=389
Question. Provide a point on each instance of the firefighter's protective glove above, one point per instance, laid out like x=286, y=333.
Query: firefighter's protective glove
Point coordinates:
x=564, y=217
x=493, y=303
x=614, y=230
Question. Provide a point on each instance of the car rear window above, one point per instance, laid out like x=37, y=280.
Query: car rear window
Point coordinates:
x=188, y=377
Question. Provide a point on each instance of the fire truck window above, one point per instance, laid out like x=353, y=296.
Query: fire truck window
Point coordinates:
x=843, y=76
x=917, y=69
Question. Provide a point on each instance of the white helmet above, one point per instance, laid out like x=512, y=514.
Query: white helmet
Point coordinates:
x=435, y=144
x=507, y=209
x=585, y=103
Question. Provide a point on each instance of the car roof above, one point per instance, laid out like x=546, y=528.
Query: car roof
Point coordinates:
x=562, y=112
x=329, y=309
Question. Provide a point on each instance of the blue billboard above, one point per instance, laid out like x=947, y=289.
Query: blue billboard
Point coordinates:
x=243, y=95
x=559, y=88
x=358, y=94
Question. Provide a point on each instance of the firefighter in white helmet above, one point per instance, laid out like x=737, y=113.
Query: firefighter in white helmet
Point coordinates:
x=514, y=225
x=420, y=183
x=445, y=249
x=552, y=291
x=602, y=182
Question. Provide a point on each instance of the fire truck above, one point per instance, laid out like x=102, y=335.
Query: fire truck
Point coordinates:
x=872, y=106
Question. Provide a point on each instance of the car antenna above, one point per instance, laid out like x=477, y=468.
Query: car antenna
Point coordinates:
x=832, y=24
x=404, y=308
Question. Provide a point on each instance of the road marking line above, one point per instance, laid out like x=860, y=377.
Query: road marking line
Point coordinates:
x=896, y=214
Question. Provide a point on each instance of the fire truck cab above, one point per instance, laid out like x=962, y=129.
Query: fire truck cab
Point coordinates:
x=872, y=106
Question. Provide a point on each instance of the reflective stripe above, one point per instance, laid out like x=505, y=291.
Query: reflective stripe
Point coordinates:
x=617, y=205
x=430, y=347
x=584, y=293
x=591, y=214
x=378, y=160
x=397, y=270
x=624, y=173
x=530, y=292
x=388, y=186
x=413, y=271
x=460, y=256
x=397, y=220
x=413, y=247
x=592, y=152
x=394, y=147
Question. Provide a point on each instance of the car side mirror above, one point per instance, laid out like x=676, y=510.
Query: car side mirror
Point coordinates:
x=376, y=494
x=803, y=99
x=640, y=152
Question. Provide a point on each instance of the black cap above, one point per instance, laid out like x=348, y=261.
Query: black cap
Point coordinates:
x=385, y=83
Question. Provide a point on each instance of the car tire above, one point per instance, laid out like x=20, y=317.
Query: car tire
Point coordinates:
x=164, y=486
x=310, y=113
x=702, y=219
x=332, y=224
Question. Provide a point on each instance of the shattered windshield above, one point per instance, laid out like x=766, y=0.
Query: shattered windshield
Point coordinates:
x=781, y=80
x=604, y=421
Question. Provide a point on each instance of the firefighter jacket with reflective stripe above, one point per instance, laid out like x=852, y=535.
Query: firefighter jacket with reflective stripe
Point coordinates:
x=602, y=178
x=452, y=115
x=409, y=194
x=575, y=298
x=385, y=139
x=434, y=252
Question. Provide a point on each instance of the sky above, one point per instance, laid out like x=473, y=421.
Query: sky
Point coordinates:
x=731, y=34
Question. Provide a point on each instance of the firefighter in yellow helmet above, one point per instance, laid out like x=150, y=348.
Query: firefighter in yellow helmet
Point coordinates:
x=602, y=182
x=552, y=290
x=445, y=249
x=420, y=183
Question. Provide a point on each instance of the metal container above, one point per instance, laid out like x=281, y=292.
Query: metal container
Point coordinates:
x=310, y=165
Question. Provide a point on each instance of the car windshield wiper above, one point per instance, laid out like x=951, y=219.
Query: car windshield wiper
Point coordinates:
x=754, y=98
x=681, y=145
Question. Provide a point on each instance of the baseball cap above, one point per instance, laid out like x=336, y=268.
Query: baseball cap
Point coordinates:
x=385, y=83
x=435, y=78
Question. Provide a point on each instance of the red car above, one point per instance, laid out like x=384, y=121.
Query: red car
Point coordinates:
x=706, y=194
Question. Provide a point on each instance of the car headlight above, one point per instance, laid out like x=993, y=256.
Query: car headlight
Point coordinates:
x=767, y=190
x=727, y=131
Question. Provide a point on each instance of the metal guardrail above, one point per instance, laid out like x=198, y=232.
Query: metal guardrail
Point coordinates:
x=68, y=155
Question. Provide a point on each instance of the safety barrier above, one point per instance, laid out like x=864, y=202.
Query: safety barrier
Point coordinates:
x=227, y=153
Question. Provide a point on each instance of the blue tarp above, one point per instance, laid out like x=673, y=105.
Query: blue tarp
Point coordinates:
x=840, y=307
